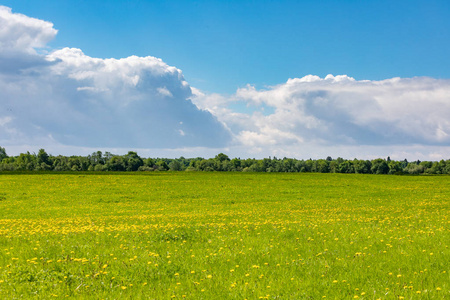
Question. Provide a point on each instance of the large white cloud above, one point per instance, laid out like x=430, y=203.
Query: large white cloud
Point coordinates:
x=70, y=98
x=338, y=113
x=19, y=33
x=19, y=38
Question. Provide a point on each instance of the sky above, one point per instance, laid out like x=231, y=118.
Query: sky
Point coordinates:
x=303, y=79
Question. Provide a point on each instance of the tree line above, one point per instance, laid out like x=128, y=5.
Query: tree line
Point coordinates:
x=131, y=162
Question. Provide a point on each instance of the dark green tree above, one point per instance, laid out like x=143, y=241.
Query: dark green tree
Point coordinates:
x=161, y=165
x=116, y=163
x=3, y=154
x=346, y=167
x=42, y=157
x=379, y=166
x=133, y=161
x=362, y=166
x=221, y=157
x=96, y=158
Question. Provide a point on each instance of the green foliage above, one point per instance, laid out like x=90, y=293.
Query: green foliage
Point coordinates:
x=379, y=166
x=131, y=162
x=3, y=154
x=175, y=165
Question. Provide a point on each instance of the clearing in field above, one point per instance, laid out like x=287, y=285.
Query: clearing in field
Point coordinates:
x=224, y=236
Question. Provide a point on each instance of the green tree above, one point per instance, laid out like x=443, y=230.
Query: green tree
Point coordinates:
x=362, y=166
x=60, y=163
x=221, y=157
x=346, y=167
x=162, y=165
x=3, y=154
x=116, y=163
x=25, y=161
x=395, y=167
x=321, y=166
x=149, y=162
x=96, y=158
x=42, y=157
x=133, y=161
x=236, y=163
x=413, y=168
x=379, y=166
x=175, y=165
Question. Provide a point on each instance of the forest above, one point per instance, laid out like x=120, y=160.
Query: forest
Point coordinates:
x=130, y=162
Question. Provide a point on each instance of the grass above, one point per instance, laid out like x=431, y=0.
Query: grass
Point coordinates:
x=224, y=236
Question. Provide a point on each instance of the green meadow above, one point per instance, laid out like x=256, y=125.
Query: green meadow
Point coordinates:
x=199, y=235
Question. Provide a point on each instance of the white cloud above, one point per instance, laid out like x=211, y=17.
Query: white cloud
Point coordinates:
x=19, y=37
x=19, y=33
x=91, y=102
x=5, y=120
x=164, y=91
x=339, y=112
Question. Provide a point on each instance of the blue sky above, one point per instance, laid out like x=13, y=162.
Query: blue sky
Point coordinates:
x=300, y=79
x=223, y=45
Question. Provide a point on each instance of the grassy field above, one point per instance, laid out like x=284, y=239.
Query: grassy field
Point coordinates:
x=224, y=236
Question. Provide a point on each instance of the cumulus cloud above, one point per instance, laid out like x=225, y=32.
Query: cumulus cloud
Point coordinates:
x=338, y=111
x=19, y=38
x=70, y=98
